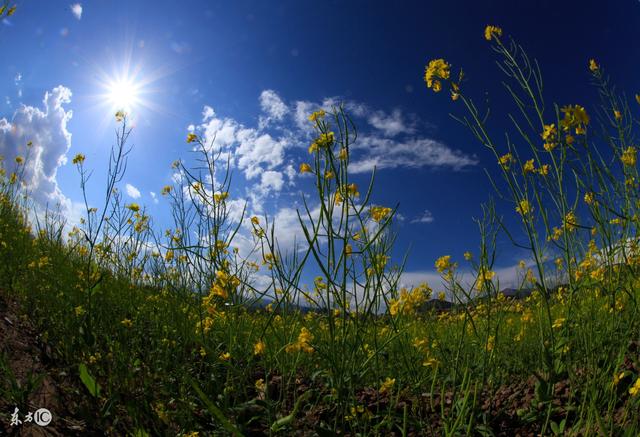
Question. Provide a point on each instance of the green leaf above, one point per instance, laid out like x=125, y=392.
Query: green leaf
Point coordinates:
x=88, y=381
x=213, y=409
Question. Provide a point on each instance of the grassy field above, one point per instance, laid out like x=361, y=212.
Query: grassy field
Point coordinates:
x=162, y=332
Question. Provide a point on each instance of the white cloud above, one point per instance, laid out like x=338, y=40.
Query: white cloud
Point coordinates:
x=207, y=113
x=412, y=153
x=46, y=129
x=273, y=106
x=271, y=181
x=391, y=125
x=132, y=191
x=76, y=10
x=426, y=217
x=154, y=196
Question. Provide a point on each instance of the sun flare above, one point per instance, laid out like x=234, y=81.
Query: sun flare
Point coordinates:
x=123, y=94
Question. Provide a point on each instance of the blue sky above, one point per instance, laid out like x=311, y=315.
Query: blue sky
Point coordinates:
x=261, y=67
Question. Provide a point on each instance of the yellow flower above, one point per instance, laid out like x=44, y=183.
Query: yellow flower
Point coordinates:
x=19, y=159
x=165, y=190
x=570, y=221
x=617, y=377
x=305, y=168
x=127, y=323
x=549, y=131
x=549, y=146
x=558, y=323
x=259, y=348
x=575, y=116
x=79, y=310
x=225, y=356
x=436, y=69
x=468, y=256
x=617, y=114
x=544, y=170
x=442, y=296
x=569, y=139
x=191, y=137
x=593, y=65
x=314, y=117
x=443, y=263
x=387, y=385
x=638, y=98
x=491, y=31
x=313, y=147
x=260, y=385
x=219, y=197
x=491, y=342
x=78, y=159
x=133, y=207
x=255, y=220
x=505, y=160
x=120, y=115
x=635, y=389
x=528, y=167
x=169, y=256
x=522, y=264
x=524, y=208
x=343, y=154
x=629, y=156
x=379, y=213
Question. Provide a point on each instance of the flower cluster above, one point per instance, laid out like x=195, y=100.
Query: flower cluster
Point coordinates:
x=438, y=69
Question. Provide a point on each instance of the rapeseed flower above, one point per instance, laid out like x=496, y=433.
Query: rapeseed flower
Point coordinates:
x=593, y=65
x=492, y=31
x=259, y=348
x=505, y=160
x=635, y=388
x=629, y=156
x=127, y=323
x=436, y=69
x=524, y=208
x=549, y=131
x=379, y=213
x=78, y=159
x=317, y=115
x=443, y=263
x=191, y=137
x=387, y=385
x=305, y=168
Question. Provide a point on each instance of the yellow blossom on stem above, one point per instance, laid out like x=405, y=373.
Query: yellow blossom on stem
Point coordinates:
x=443, y=263
x=305, y=168
x=524, y=208
x=549, y=131
x=127, y=323
x=191, y=137
x=492, y=31
x=629, y=156
x=436, y=69
x=505, y=160
x=593, y=65
x=78, y=159
x=259, y=348
x=379, y=213
x=317, y=115
x=528, y=167
x=387, y=385
x=635, y=388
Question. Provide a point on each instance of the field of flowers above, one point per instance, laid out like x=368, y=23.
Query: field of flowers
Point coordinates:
x=168, y=332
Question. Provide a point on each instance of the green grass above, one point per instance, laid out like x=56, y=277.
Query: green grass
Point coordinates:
x=159, y=327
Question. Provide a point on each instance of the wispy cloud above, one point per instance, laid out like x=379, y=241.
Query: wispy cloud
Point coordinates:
x=425, y=217
x=76, y=10
x=132, y=191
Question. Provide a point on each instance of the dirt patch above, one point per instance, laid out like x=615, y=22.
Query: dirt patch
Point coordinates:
x=30, y=379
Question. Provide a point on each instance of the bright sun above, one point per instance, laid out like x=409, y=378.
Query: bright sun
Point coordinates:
x=123, y=94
